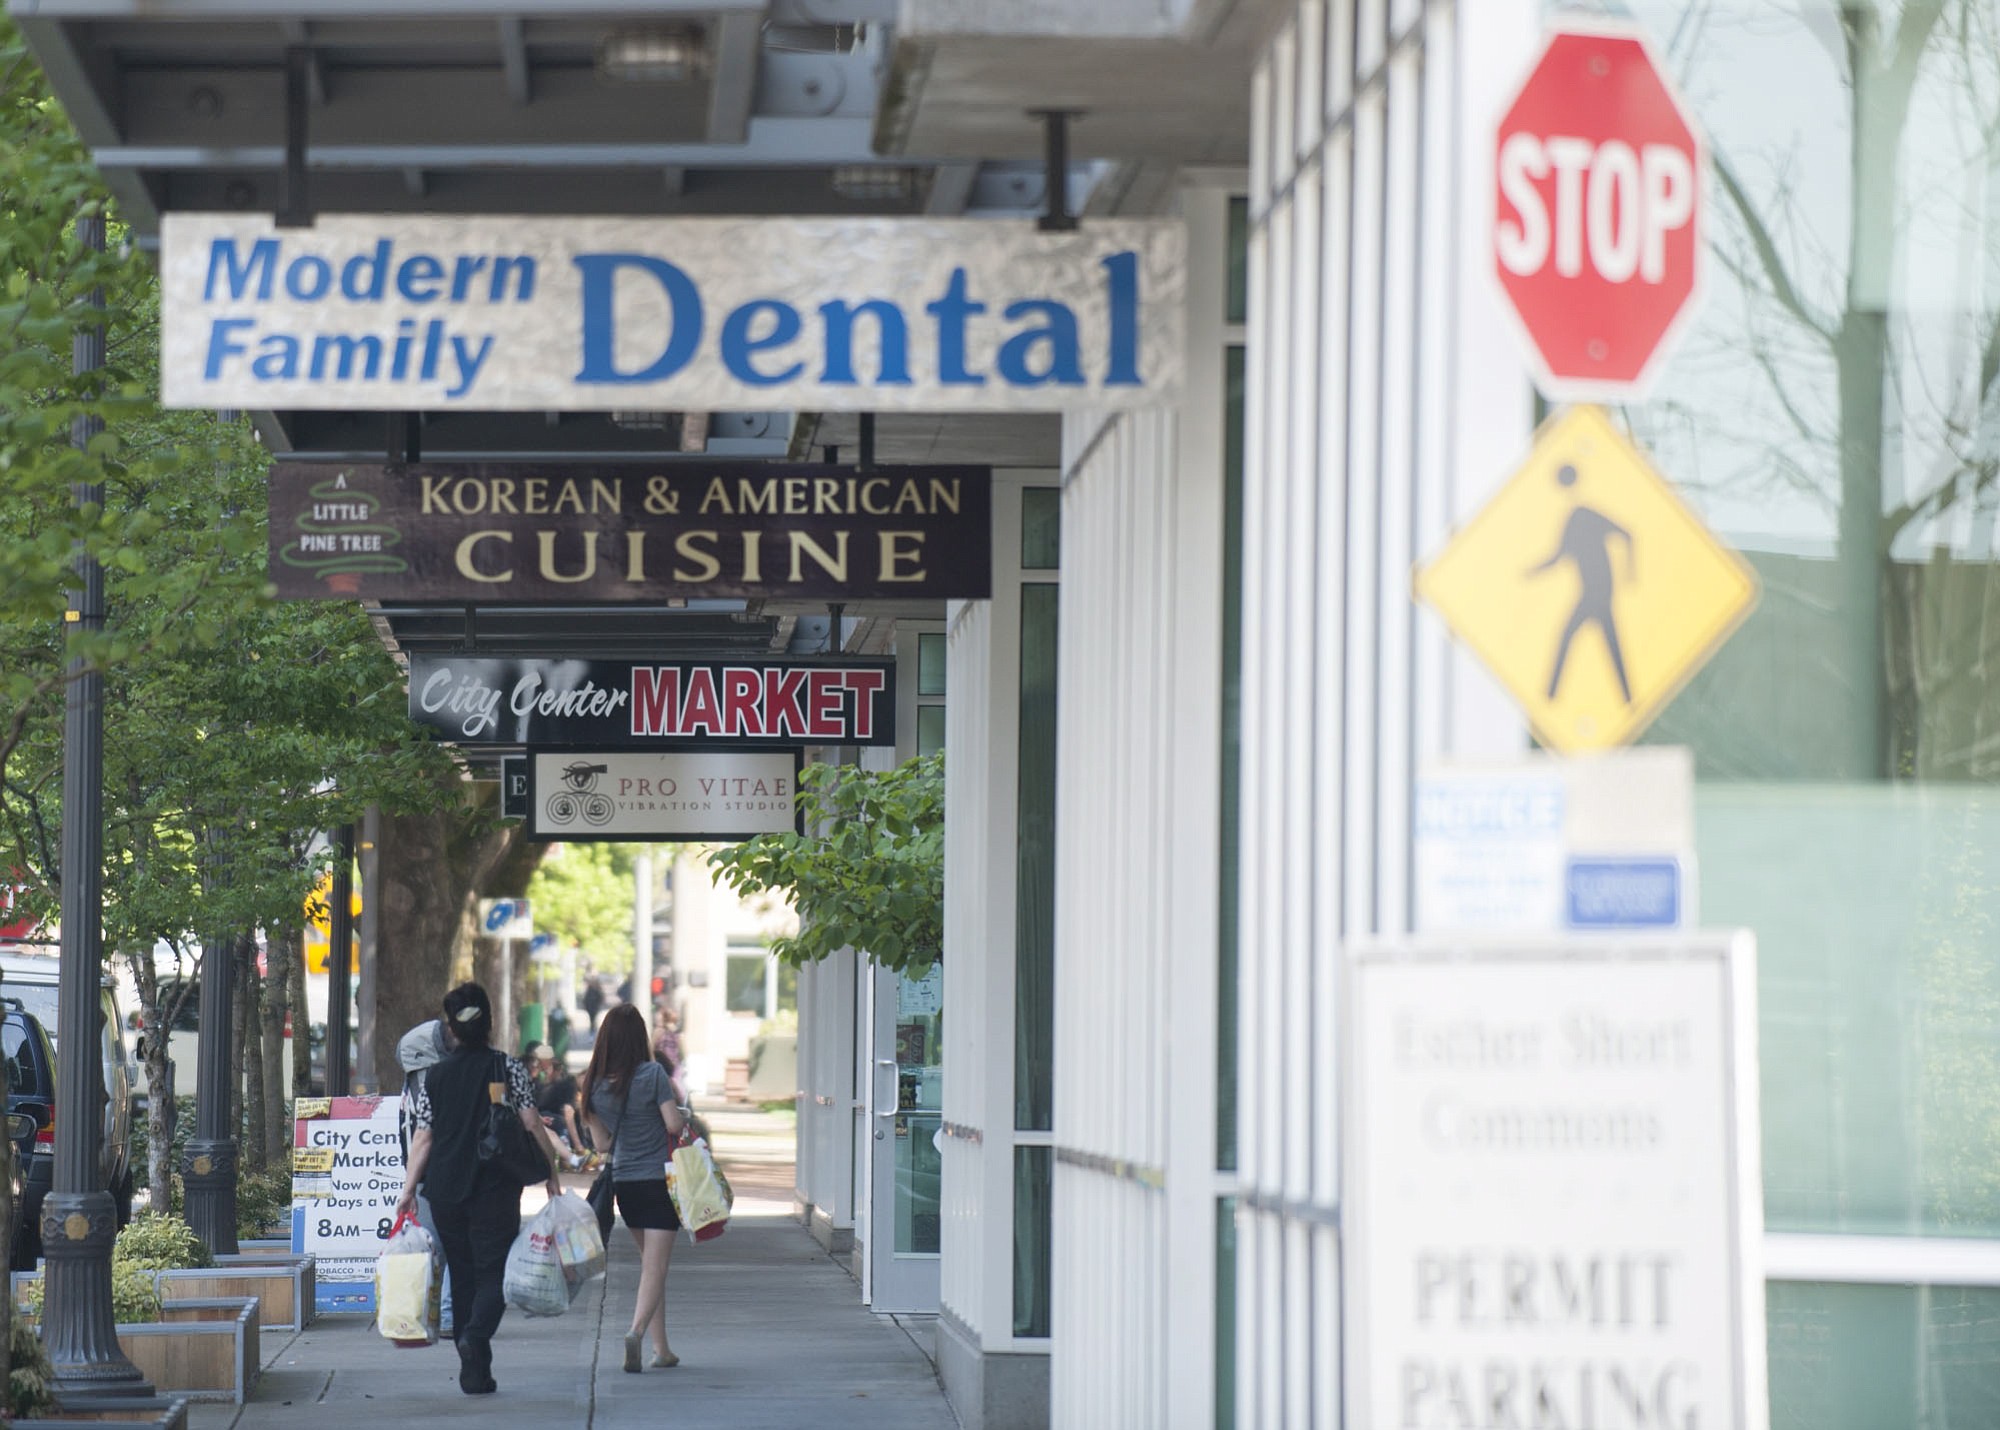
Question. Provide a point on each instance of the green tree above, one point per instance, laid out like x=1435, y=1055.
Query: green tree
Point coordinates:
x=51, y=285
x=234, y=727
x=870, y=876
x=582, y=893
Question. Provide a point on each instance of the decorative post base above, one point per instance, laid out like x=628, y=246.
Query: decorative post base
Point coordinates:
x=78, y=1325
x=209, y=1173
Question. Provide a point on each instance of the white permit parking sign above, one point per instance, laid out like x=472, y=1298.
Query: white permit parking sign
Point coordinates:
x=347, y=1172
x=1551, y=1203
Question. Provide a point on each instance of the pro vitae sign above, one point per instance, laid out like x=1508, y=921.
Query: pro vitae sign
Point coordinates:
x=1552, y=1209
x=558, y=314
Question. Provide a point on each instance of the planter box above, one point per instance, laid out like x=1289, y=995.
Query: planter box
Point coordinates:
x=206, y=1349
x=154, y=1412
x=281, y=1285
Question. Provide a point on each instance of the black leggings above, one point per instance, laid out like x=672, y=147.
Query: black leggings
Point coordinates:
x=477, y=1234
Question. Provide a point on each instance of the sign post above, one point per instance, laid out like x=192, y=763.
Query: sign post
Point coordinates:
x=1598, y=213
x=1552, y=1206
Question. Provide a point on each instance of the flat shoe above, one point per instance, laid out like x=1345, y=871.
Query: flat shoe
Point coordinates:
x=662, y=1360
x=632, y=1355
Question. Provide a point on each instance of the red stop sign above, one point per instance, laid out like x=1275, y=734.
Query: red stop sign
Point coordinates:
x=1598, y=209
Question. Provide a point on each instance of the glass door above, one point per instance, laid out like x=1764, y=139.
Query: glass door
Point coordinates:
x=908, y=1134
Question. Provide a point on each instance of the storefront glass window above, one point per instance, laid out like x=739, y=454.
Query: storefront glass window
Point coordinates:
x=1033, y=1219
x=1041, y=529
x=930, y=663
x=1035, y=888
x=748, y=975
x=1228, y=874
x=1834, y=412
x=930, y=729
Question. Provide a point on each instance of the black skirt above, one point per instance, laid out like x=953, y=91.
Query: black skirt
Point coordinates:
x=646, y=1206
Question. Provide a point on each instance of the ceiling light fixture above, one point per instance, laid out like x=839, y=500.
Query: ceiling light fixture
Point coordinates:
x=653, y=54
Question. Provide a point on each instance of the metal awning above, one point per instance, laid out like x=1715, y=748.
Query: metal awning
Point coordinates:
x=595, y=106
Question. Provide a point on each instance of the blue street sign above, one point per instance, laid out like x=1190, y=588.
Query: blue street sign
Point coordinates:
x=1624, y=893
x=500, y=915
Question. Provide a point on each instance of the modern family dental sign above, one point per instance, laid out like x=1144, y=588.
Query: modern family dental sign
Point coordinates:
x=474, y=532
x=584, y=314
x=625, y=704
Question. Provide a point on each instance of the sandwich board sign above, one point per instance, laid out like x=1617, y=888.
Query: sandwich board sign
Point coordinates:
x=347, y=1172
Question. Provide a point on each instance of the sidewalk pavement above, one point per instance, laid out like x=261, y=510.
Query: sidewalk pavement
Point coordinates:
x=771, y=1334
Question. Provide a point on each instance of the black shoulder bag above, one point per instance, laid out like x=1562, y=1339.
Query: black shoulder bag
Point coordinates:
x=507, y=1149
x=601, y=1190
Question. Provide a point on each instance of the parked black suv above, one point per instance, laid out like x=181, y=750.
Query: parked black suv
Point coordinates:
x=31, y=1093
x=33, y=982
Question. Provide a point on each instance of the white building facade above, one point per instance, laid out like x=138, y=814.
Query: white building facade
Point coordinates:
x=1246, y=694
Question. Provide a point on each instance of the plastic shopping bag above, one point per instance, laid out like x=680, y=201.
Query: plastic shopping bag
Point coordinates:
x=579, y=1245
x=534, y=1281
x=701, y=1196
x=403, y=1285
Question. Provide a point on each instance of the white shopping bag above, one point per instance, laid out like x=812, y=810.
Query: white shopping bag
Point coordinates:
x=579, y=1245
x=534, y=1281
x=403, y=1285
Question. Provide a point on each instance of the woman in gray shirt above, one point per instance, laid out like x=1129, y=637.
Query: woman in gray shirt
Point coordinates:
x=632, y=1110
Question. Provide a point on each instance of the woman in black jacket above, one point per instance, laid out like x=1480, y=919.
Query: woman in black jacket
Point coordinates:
x=478, y=1212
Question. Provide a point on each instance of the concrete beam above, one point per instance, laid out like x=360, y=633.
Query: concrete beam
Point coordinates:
x=733, y=77
x=769, y=143
x=514, y=60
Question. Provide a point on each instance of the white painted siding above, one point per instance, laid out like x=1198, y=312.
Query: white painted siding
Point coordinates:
x=1385, y=400
x=1138, y=828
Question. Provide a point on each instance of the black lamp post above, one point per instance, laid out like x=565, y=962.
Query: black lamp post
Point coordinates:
x=79, y=1222
x=208, y=1168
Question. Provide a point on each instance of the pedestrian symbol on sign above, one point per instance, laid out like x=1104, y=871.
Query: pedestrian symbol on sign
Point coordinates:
x=1620, y=565
x=1586, y=543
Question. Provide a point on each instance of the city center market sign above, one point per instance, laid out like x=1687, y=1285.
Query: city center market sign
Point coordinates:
x=431, y=313
x=623, y=704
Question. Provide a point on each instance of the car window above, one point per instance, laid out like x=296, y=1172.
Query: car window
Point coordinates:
x=20, y=1061
x=38, y=998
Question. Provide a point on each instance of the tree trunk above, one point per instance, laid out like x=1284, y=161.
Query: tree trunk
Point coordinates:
x=239, y=1024
x=433, y=869
x=489, y=959
x=277, y=984
x=159, y=1096
x=255, y=1109
x=295, y=996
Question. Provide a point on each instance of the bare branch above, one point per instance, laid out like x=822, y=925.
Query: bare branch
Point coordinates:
x=1768, y=258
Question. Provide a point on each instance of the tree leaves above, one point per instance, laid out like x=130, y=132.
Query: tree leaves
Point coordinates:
x=872, y=877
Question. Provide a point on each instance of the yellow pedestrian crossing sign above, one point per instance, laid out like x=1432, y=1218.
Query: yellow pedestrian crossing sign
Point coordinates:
x=1588, y=587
